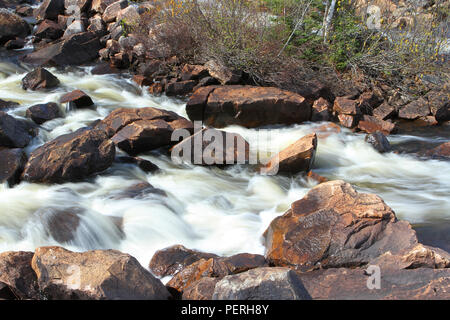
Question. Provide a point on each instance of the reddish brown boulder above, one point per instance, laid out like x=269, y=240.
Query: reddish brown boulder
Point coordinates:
x=334, y=226
x=348, y=121
x=94, y=275
x=41, y=113
x=49, y=29
x=321, y=110
x=440, y=152
x=385, y=111
x=70, y=157
x=345, y=105
x=193, y=72
x=195, y=106
x=371, y=124
x=144, y=165
x=180, y=88
x=169, y=261
x=416, y=109
x=298, y=157
x=39, y=79
x=368, y=101
x=142, y=80
x=223, y=74
x=77, y=98
x=12, y=163
x=202, y=289
x=139, y=191
x=16, y=273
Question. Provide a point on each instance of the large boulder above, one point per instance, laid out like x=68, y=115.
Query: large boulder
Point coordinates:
x=39, y=79
x=334, y=226
x=17, y=274
x=379, y=141
x=223, y=74
x=414, y=110
x=262, y=284
x=202, y=289
x=247, y=106
x=49, y=29
x=372, y=124
x=12, y=26
x=74, y=6
x=12, y=163
x=41, y=113
x=442, y=152
x=75, y=50
x=77, y=98
x=14, y=133
x=50, y=9
x=97, y=275
x=70, y=157
x=298, y=157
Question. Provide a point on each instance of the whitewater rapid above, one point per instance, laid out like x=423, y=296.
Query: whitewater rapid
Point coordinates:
x=224, y=211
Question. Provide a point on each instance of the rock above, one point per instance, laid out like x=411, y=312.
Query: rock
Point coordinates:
x=78, y=99
x=426, y=121
x=49, y=29
x=169, y=261
x=443, y=114
x=104, y=68
x=94, y=275
x=327, y=129
x=440, y=152
x=121, y=60
x=371, y=124
x=298, y=157
x=180, y=88
x=99, y=6
x=379, y=141
x=61, y=224
x=193, y=72
x=139, y=50
x=12, y=162
x=127, y=42
x=6, y=293
x=139, y=191
x=5, y=105
x=202, y=289
x=144, y=165
x=416, y=109
x=16, y=273
x=368, y=101
x=248, y=106
x=24, y=10
x=156, y=89
x=41, y=113
x=345, y=105
x=14, y=133
x=212, y=147
x=70, y=157
x=15, y=44
x=348, y=121
x=129, y=16
x=12, y=26
x=96, y=24
x=313, y=90
x=50, y=9
x=77, y=6
x=321, y=110
x=75, y=50
x=243, y=262
x=385, y=111
x=224, y=75
x=439, y=104
x=351, y=284
x=74, y=28
x=316, y=177
x=262, y=284
x=112, y=10
x=142, y=80
x=39, y=79
x=334, y=226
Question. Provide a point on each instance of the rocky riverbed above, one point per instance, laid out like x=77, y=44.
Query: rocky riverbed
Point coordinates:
x=93, y=206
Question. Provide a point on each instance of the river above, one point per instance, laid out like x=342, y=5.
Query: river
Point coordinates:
x=224, y=211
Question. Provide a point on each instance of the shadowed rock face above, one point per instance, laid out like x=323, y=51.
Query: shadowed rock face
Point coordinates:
x=335, y=226
x=70, y=157
x=41, y=113
x=12, y=26
x=12, y=162
x=14, y=133
x=247, y=106
x=98, y=275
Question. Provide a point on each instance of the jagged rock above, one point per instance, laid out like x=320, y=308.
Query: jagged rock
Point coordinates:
x=440, y=152
x=348, y=120
x=15, y=44
x=14, y=133
x=41, y=113
x=379, y=141
x=193, y=72
x=111, y=11
x=347, y=106
x=371, y=124
x=49, y=29
x=77, y=6
x=144, y=165
x=129, y=16
x=96, y=24
x=39, y=79
x=24, y=10
x=12, y=26
x=202, y=289
x=321, y=110
x=262, y=284
x=298, y=157
x=99, y=6
x=12, y=162
x=74, y=28
x=97, y=275
x=77, y=98
x=385, y=111
x=224, y=75
x=180, y=88
x=70, y=157
x=50, y=9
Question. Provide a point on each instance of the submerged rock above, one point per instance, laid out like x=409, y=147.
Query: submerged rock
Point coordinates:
x=94, y=275
x=5, y=105
x=379, y=141
x=41, y=113
x=39, y=79
x=70, y=157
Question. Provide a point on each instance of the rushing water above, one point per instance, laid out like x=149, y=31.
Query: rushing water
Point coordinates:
x=224, y=211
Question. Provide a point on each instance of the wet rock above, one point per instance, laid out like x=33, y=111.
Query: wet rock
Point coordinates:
x=169, y=261
x=327, y=129
x=139, y=191
x=112, y=10
x=5, y=105
x=14, y=133
x=212, y=147
x=101, y=275
x=78, y=99
x=121, y=60
x=39, y=79
x=144, y=165
x=334, y=226
x=180, y=88
x=224, y=75
x=321, y=110
x=385, y=111
x=96, y=24
x=75, y=50
x=12, y=26
x=74, y=28
x=379, y=141
x=15, y=44
x=17, y=274
x=156, y=89
x=41, y=113
x=440, y=152
x=351, y=284
x=248, y=106
x=202, y=289
x=416, y=109
x=262, y=284
x=298, y=157
x=193, y=72
x=70, y=157
x=49, y=29
x=371, y=124
x=104, y=68
x=316, y=177
x=12, y=162
x=60, y=223
x=6, y=293
x=50, y=9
